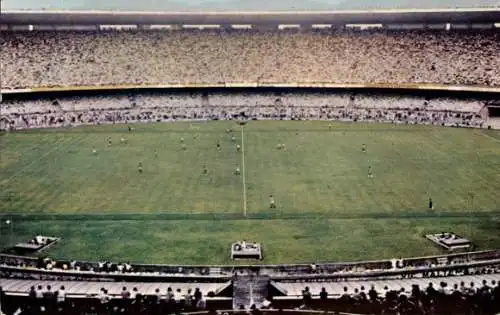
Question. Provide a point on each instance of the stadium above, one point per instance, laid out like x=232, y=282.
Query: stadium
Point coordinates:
x=209, y=162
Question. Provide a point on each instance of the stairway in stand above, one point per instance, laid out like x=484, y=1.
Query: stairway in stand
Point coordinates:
x=248, y=290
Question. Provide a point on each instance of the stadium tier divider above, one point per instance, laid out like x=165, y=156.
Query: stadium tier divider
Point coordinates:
x=20, y=272
x=325, y=85
x=224, y=271
x=112, y=296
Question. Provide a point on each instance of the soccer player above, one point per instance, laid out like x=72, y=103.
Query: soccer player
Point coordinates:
x=218, y=146
x=205, y=170
x=272, y=203
x=233, y=138
x=363, y=148
x=283, y=146
x=370, y=172
x=94, y=151
x=122, y=140
x=278, y=146
x=431, y=205
x=237, y=170
x=238, y=148
x=182, y=140
x=108, y=139
x=139, y=167
x=183, y=146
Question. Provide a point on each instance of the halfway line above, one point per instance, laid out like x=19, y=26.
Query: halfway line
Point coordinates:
x=244, y=184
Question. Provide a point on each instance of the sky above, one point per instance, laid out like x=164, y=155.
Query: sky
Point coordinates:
x=233, y=5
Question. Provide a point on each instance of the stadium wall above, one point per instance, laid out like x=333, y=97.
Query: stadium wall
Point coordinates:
x=259, y=85
x=487, y=16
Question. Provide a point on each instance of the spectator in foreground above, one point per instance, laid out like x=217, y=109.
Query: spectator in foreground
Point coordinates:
x=323, y=295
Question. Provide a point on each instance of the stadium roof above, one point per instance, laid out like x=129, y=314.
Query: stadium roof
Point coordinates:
x=241, y=5
x=483, y=15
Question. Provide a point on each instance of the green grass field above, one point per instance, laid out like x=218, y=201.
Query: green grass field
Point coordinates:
x=328, y=208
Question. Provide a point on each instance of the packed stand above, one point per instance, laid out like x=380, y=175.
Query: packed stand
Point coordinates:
x=446, y=299
x=48, y=300
x=145, y=108
x=34, y=59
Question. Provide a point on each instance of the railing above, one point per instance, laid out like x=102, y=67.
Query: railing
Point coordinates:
x=23, y=272
x=272, y=312
x=253, y=85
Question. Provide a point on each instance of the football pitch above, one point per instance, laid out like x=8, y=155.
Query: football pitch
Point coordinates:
x=168, y=193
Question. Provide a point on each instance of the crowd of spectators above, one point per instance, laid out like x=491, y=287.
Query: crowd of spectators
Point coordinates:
x=448, y=298
x=47, y=263
x=67, y=112
x=18, y=268
x=457, y=299
x=47, y=300
x=33, y=59
x=22, y=264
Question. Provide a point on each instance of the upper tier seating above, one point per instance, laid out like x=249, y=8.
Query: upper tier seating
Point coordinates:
x=32, y=59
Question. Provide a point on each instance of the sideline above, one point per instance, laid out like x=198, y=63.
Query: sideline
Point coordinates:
x=487, y=136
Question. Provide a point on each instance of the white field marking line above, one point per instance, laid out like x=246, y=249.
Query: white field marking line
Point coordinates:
x=487, y=136
x=243, y=176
